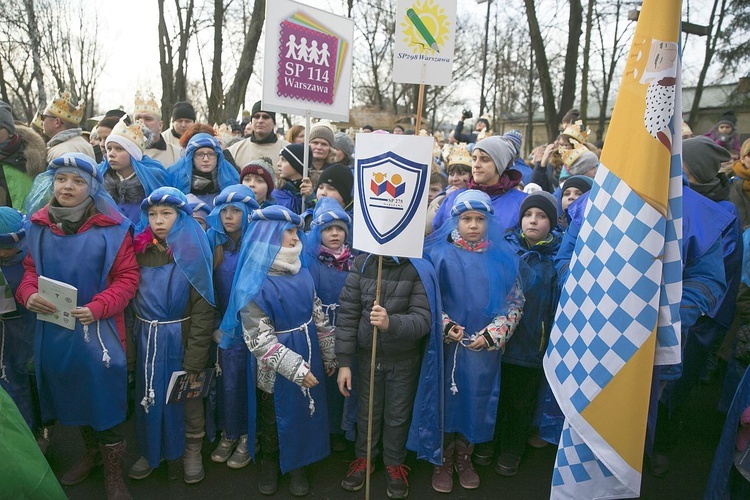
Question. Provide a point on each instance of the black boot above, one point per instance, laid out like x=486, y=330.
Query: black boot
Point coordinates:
x=113, y=476
x=91, y=459
x=269, y=476
x=299, y=485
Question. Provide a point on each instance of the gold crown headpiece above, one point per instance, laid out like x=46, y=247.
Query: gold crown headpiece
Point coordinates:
x=132, y=132
x=460, y=156
x=62, y=107
x=578, y=131
x=569, y=156
x=146, y=106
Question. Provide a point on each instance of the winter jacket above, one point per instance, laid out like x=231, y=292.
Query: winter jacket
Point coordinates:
x=122, y=280
x=741, y=200
x=404, y=298
x=198, y=330
x=529, y=342
x=69, y=141
x=243, y=152
x=165, y=153
x=18, y=169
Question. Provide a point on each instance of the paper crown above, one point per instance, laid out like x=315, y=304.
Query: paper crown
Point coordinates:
x=132, y=132
x=460, y=156
x=62, y=107
x=143, y=106
x=38, y=121
x=439, y=135
x=578, y=131
x=424, y=133
x=223, y=132
x=569, y=156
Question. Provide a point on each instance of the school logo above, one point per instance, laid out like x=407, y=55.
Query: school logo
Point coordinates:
x=396, y=190
x=310, y=60
x=425, y=27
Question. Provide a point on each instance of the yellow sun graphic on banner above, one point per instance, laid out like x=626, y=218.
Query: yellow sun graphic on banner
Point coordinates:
x=425, y=27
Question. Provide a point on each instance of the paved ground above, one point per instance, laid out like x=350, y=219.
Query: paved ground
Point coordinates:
x=686, y=479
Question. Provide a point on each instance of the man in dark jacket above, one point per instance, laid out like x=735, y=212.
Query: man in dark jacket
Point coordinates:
x=22, y=156
x=403, y=318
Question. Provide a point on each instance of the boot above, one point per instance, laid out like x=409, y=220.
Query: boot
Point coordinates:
x=299, y=485
x=269, y=476
x=113, y=461
x=442, y=476
x=192, y=462
x=467, y=476
x=91, y=459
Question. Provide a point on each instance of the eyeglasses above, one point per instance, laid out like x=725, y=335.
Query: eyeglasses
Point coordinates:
x=261, y=116
x=209, y=155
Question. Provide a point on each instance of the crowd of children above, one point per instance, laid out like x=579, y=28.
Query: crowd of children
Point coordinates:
x=244, y=276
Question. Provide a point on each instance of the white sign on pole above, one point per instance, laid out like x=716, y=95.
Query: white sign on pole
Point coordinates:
x=308, y=61
x=424, y=43
x=391, y=184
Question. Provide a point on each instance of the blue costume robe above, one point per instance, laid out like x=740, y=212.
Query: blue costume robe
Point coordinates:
x=302, y=419
x=76, y=387
x=17, y=346
x=163, y=296
x=507, y=208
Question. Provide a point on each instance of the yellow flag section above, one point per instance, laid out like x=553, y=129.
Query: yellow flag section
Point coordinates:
x=620, y=302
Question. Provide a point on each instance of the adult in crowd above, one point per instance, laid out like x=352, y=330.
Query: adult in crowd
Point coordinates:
x=262, y=140
x=22, y=157
x=739, y=191
x=183, y=115
x=148, y=111
x=61, y=123
x=321, y=143
x=481, y=129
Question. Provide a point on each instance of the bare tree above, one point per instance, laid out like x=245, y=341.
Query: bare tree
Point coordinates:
x=735, y=48
x=174, y=47
x=586, y=56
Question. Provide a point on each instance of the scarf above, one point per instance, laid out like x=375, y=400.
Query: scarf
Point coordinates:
x=63, y=136
x=128, y=190
x=717, y=189
x=478, y=246
x=287, y=260
x=269, y=139
x=204, y=182
x=69, y=219
x=10, y=147
x=341, y=259
x=508, y=180
x=159, y=144
x=743, y=173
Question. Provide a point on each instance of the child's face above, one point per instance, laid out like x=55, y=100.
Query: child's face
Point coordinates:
x=535, y=225
x=472, y=226
x=458, y=178
x=327, y=191
x=161, y=218
x=290, y=238
x=7, y=253
x=205, y=160
x=70, y=189
x=724, y=129
x=286, y=170
x=569, y=196
x=333, y=237
x=231, y=219
x=118, y=157
x=434, y=191
x=258, y=185
x=202, y=222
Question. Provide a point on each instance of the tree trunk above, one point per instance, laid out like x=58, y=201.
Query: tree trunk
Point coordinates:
x=214, y=99
x=570, y=72
x=530, y=105
x=586, y=55
x=166, y=66
x=542, y=65
x=235, y=95
x=36, y=53
x=186, y=30
x=714, y=34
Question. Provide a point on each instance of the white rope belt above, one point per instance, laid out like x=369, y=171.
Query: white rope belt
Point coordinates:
x=105, y=352
x=454, y=387
x=305, y=391
x=153, y=331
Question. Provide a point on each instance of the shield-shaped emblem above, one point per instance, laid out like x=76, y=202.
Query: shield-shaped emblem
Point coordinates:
x=391, y=190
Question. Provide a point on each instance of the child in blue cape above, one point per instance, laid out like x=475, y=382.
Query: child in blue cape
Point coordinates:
x=291, y=186
x=285, y=328
x=128, y=174
x=329, y=260
x=536, y=242
x=469, y=253
x=18, y=324
x=201, y=210
x=203, y=171
x=228, y=222
x=173, y=324
x=81, y=373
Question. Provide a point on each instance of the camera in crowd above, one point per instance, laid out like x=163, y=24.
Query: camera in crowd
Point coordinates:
x=467, y=113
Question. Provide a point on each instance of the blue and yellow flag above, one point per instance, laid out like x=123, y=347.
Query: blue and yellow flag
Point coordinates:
x=619, y=309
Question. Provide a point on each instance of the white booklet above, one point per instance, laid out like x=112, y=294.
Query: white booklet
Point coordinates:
x=64, y=297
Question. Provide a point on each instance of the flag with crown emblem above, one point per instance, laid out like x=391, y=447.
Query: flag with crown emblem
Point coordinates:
x=619, y=309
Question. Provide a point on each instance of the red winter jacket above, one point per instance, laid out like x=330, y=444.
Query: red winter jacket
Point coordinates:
x=122, y=282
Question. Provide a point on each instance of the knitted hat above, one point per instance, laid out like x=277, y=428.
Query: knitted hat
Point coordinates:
x=256, y=109
x=485, y=119
x=501, y=150
x=183, y=109
x=580, y=182
x=322, y=132
x=129, y=136
x=62, y=107
x=6, y=118
x=343, y=143
x=472, y=199
x=542, y=200
x=295, y=155
x=340, y=177
x=516, y=137
x=262, y=168
x=703, y=158
x=728, y=118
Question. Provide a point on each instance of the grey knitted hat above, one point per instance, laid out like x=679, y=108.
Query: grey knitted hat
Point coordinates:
x=703, y=158
x=501, y=149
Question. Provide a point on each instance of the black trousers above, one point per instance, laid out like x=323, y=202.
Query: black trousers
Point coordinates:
x=519, y=386
x=393, y=402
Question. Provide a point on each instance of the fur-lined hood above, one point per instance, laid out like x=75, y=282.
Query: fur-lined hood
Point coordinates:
x=32, y=156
